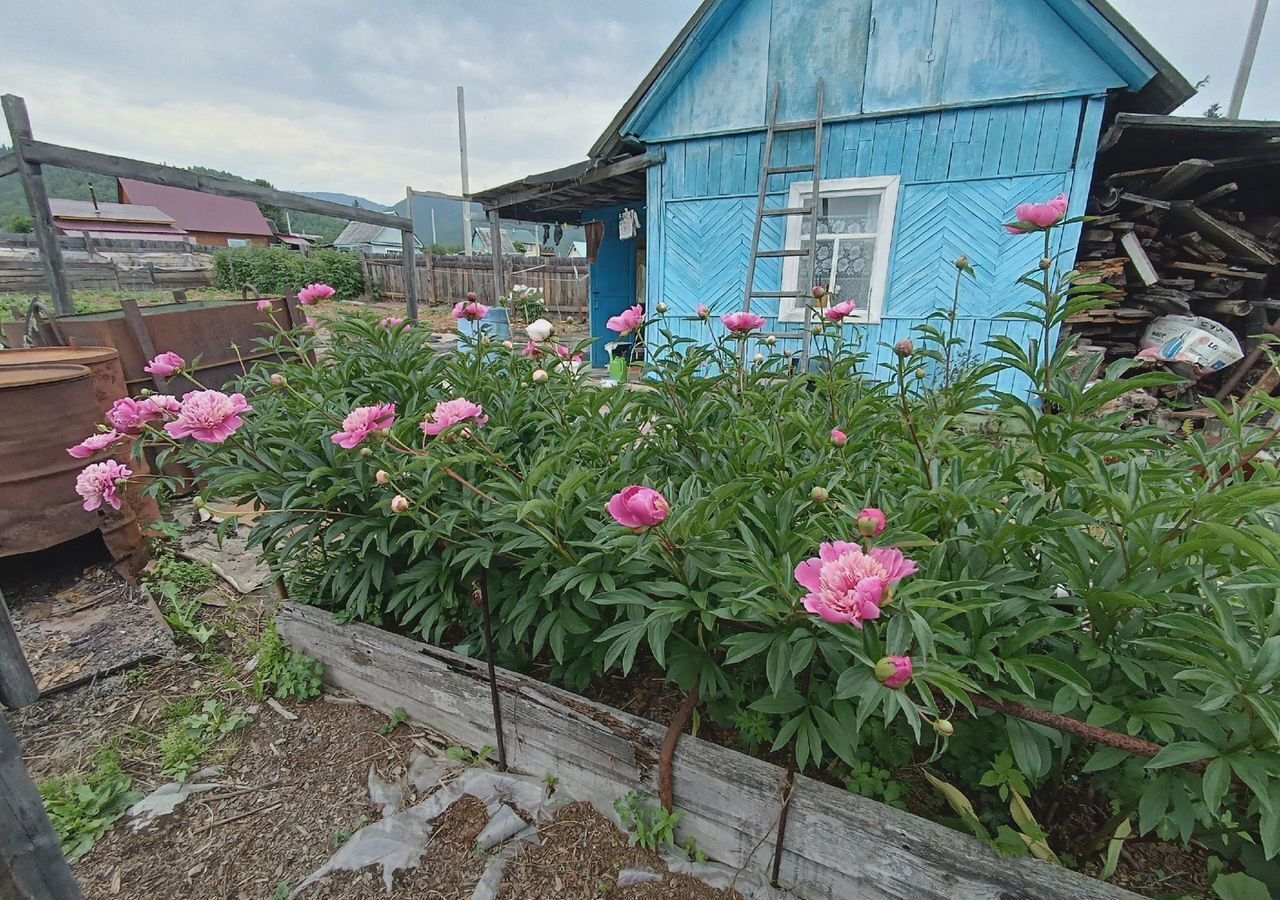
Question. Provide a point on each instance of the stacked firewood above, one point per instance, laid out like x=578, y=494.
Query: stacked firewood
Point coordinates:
x=1166, y=246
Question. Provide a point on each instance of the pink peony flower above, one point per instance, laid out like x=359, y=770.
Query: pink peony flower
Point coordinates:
x=638, y=508
x=393, y=321
x=97, y=484
x=703, y=311
x=838, y=437
x=1038, y=216
x=627, y=321
x=562, y=351
x=164, y=404
x=871, y=522
x=95, y=443
x=450, y=412
x=208, y=416
x=362, y=422
x=894, y=671
x=166, y=365
x=904, y=348
x=742, y=323
x=819, y=291
x=847, y=585
x=314, y=293
x=840, y=310
x=129, y=416
x=531, y=350
x=264, y=305
x=470, y=310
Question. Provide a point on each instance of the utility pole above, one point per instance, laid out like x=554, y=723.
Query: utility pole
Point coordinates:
x=466, y=185
x=435, y=242
x=1247, y=57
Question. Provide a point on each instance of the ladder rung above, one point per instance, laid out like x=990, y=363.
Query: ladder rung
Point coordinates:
x=788, y=170
x=774, y=254
x=806, y=125
x=780, y=293
x=786, y=211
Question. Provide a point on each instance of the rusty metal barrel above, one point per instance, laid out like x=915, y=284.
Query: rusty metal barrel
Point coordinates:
x=44, y=409
x=103, y=364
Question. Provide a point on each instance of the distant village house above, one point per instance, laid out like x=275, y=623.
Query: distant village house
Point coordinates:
x=212, y=220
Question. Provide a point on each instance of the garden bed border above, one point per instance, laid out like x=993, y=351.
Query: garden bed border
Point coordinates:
x=837, y=843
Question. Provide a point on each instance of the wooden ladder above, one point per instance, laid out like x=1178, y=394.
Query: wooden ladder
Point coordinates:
x=768, y=170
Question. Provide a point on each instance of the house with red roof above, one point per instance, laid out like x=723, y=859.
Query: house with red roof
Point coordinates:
x=80, y=218
x=214, y=221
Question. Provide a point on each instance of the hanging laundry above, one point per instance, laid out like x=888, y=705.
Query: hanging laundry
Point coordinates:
x=628, y=224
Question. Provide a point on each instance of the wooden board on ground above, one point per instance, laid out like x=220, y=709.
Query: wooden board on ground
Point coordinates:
x=837, y=844
x=88, y=630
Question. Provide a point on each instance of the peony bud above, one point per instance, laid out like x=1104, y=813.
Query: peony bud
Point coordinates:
x=758, y=358
x=703, y=311
x=399, y=504
x=507, y=345
x=944, y=727
x=838, y=437
x=661, y=307
x=819, y=495
x=278, y=380
x=904, y=348
x=1045, y=264
x=894, y=671
x=770, y=340
x=871, y=522
x=922, y=373
x=962, y=263
x=472, y=298
x=197, y=501
x=366, y=452
x=540, y=330
x=539, y=376
x=382, y=476
x=819, y=292
x=145, y=393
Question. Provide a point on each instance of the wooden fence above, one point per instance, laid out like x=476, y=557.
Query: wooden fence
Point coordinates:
x=28, y=275
x=564, y=281
x=15, y=240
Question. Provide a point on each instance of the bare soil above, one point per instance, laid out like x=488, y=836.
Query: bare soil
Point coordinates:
x=290, y=791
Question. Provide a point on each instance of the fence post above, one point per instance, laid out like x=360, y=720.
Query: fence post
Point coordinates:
x=364, y=273
x=407, y=248
x=32, y=176
x=31, y=864
x=428, y=292
x=495, y=242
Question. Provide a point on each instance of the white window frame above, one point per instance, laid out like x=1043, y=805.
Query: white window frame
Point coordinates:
x=887, y=188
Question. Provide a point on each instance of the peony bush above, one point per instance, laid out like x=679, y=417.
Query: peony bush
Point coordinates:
x=852, y=568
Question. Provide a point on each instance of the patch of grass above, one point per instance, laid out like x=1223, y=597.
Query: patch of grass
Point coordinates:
x=652, y=826
x=83, y=807
x=195, y=733
x=178, y=583
x=467, y=756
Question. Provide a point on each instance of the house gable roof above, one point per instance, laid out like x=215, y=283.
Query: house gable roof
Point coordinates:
x=196, y=211
x=365, y=233
x=1155, y=85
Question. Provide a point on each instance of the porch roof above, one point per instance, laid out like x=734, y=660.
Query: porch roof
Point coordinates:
x=563, y=195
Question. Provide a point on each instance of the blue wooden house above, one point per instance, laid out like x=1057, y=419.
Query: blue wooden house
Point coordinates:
x=941, y=116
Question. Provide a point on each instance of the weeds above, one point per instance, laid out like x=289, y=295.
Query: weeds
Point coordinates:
x=288, y=674
x=178, y=584
x=398, y=718
x=650, y=824
x=195, y=733
x=468, y=757
x=83, y=808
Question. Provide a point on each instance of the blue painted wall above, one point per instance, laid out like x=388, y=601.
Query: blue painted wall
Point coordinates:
x=613, y=278
x=976, y=105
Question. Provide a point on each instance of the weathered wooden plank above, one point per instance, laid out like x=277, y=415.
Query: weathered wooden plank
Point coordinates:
x=838, y=844
x=17, y=686
x=123, y=167
x=32, y=175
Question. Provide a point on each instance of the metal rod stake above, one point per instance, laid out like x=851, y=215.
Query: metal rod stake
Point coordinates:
x=482, y=585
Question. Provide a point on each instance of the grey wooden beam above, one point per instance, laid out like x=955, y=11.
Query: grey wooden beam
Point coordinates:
x=8, y=164
x=17, y=687
x=123, y=167
x=15, y=113
x=495, y=242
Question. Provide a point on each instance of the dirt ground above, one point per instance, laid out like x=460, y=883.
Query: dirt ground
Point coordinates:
x=291, y=786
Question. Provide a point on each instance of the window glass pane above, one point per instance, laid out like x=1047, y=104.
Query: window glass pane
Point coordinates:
x=825, y=252
x=849, y=215
x=853, y=270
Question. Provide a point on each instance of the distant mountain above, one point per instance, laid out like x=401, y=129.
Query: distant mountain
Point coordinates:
x=345, y=199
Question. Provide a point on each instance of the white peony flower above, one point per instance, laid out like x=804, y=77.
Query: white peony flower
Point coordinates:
x=540, y=330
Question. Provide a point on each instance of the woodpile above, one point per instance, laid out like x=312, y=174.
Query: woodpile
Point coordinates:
x=1182, y=239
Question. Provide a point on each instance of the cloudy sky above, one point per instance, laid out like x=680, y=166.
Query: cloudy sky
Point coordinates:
x=360, y=98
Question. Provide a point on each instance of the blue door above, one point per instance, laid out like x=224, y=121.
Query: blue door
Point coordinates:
x=613, y=278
